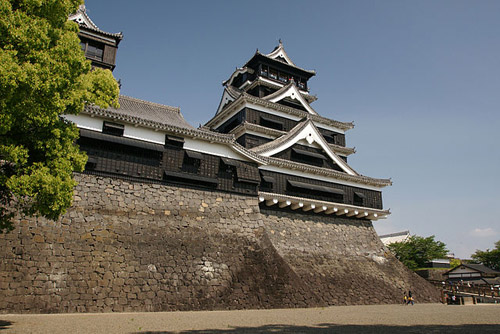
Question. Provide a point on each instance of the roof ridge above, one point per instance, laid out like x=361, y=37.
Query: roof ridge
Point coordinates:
x=283, y=138
x=295, y=90
x=320, y=119
x=330, y=172
x=295, y=66
x=155, y=104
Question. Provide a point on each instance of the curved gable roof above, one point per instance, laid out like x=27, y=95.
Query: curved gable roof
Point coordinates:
x=279, y=52
x=291, y=91
x=305, y=130
x=81, y=17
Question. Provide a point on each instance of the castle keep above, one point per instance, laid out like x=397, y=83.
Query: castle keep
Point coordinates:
x=257, y=208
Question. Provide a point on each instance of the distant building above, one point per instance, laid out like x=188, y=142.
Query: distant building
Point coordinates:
x=388, y=239
x=438, y=263
x=477, y=274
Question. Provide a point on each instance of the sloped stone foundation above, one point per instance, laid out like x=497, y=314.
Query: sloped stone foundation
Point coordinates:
x=127, y=246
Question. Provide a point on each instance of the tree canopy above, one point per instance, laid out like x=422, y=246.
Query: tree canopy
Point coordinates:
x=490, y=258
x=417, y=251
x=43, y=75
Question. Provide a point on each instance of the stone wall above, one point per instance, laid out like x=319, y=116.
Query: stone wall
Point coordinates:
x=127, y=246
x=342, y=259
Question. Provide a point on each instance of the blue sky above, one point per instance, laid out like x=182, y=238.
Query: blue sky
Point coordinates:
x=420, y=79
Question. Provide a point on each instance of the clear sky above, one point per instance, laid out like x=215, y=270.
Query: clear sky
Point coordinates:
x=420, y=79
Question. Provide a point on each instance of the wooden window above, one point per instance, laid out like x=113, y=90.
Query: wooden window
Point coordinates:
x=247, y=174
x=307, y=157
x=302, y=188
x=174, y=141
x=189, y=178
x=94, y=51
x=264, y=70
x=359, y=198
x=271, y=123
x=301, y=83
x=91, y=163
x=283, y=77
x=267, y=183
x=191, y=162
x=114, y=129
x=273, y=74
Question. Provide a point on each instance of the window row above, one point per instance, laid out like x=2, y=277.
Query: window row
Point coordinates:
x=92, y=50
x=274, y=74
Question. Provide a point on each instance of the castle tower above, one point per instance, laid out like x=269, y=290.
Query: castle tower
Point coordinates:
x=266, y=105
x=99, y=46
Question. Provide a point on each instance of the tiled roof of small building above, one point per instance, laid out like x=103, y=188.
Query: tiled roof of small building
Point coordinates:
x=482, y=268
x=147, y=111
x=81, y=17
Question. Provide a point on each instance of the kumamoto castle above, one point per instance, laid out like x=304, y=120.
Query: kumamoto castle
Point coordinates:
x=258, y=208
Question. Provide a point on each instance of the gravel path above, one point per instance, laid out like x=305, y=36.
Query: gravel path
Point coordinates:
x=421, y=318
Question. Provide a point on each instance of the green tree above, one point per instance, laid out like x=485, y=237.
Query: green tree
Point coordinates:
x=43, y=74
x=490, y=258
x=416, y=251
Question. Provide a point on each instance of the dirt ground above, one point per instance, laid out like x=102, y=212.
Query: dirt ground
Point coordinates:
x=421, y=318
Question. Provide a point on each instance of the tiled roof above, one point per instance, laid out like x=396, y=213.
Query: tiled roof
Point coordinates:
x=290, y=91
x=165, y=118
x=280, y=140
x=87, y=23
x=342, y=149
x=273, y=57
x=245, y=97
x=327, y=172
x=275, y=85
x=133, y=108
x=482, y=268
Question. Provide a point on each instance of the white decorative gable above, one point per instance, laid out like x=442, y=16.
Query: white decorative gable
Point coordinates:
x=290, y=91
x=279, y=52
x=226, y=98
x=82, y=18
x=311, y=135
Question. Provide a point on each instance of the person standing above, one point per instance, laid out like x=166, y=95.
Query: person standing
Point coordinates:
x=405, y=299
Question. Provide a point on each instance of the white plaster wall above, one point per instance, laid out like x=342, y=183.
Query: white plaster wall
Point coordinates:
x=144, y=134
x=85, y=122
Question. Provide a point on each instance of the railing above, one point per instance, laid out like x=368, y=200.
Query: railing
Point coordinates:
x=455, y=293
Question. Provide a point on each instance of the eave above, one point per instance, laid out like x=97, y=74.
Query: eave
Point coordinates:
x=268, y=83
x=200, y=133
x=84, y=21
x=358, y=179
x=292, y=92
x=323, y=207
x=246, y=127
x=303, y=72
x=247, y=98
x=342, y=150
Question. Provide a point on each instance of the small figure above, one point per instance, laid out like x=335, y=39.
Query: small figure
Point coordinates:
x=405, y=299
x=410, y=298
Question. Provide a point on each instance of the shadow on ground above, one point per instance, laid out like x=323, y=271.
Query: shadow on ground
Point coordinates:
x=5, y=324
x=349, y=329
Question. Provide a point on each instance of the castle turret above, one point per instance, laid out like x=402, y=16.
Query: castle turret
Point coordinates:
x=99, y=46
